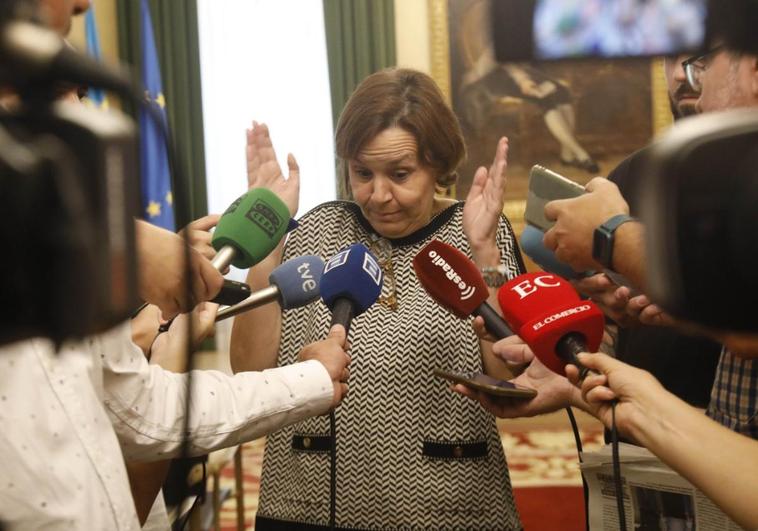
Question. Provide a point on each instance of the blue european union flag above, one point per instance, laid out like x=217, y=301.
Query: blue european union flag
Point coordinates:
x=157, y=199
x=95, y=95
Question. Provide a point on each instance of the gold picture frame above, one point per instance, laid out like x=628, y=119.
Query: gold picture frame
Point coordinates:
x=440, y=70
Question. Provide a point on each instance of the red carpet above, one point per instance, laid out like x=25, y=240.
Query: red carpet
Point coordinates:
x=554, y=508
x=544, y=473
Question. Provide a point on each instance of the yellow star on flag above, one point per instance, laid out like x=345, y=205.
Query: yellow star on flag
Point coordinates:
x=160, y=100
x=169, y=198
x=153, y=209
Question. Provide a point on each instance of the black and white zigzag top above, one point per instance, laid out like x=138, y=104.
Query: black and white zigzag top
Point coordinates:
x=411, y=454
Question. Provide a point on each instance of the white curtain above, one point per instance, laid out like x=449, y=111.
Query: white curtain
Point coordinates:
x=265, y=60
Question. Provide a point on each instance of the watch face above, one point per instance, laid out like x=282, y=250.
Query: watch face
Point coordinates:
x=494, y=280
x=602, y=246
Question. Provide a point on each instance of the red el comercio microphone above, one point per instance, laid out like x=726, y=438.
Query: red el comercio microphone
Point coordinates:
x=452, y=279
x=548, y=314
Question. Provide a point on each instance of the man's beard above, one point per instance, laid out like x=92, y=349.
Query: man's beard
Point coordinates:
x=682, y=111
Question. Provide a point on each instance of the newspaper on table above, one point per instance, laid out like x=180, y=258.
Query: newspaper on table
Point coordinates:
x=655, y=497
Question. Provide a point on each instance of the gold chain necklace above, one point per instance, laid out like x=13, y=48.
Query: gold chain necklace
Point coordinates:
x=382, y=249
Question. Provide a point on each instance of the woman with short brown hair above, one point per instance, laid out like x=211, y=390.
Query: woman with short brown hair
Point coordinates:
x=410, y=454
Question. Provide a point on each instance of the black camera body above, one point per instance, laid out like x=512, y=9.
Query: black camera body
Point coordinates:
x=699, y=202
x=69, y=186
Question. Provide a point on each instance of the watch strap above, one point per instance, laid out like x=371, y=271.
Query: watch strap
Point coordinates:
x=603, y=239
x=495, y=276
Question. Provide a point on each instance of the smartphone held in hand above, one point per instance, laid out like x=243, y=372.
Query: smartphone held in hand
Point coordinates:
x=487, y=384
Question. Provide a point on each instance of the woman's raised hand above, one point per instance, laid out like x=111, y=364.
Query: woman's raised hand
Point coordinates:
x=263, y=170
x=484, y=205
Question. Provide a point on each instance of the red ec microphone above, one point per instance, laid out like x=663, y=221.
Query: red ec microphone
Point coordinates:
x=547, y=313
x=454, y=281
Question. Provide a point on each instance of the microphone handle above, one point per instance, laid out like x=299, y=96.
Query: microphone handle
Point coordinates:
x=259, y=298
x=224, y=257
x=568, y=347
x=343, y=313
x=492, y=320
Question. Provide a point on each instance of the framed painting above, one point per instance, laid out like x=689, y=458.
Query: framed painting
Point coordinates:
x=578, y=118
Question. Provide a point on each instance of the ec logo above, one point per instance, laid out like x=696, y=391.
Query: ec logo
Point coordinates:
x=526, y=288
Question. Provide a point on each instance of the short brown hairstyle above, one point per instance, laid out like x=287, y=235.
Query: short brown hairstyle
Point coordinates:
x=400, y=97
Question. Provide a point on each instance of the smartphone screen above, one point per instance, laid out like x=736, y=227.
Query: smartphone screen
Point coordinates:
x=487, y=384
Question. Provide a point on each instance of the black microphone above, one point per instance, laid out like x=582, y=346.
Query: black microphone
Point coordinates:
x=39, y=56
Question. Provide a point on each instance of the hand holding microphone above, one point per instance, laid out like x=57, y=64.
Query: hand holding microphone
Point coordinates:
x=162, y=282
x=331, y=353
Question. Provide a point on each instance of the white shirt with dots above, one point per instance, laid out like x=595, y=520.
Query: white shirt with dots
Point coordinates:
x=68, y=420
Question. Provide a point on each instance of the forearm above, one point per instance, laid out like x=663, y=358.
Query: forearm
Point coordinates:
x=223, y=411
x=629, y=253
x=489, y=256
x=148, y=406
x=721, y=463
x=256, y=333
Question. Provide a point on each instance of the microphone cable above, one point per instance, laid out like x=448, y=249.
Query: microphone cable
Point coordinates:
x=579, y=450
x=177, y=173
x=332, y=471
x=617, y=468
x=616, y=464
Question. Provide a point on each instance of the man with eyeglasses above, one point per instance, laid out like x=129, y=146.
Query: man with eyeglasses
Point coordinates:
x=640, y=340
x=695, y=66
x=727, y=80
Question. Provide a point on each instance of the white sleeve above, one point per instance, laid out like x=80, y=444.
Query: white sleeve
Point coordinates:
x=146, y=403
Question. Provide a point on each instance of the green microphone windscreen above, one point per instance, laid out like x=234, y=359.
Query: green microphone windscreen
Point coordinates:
x=254, y=224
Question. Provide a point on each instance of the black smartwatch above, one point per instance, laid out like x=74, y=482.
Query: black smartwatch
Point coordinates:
x=603, y=239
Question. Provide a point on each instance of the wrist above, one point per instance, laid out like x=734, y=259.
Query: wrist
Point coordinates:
x=486, y=255
x=604, y=239
x=654, y=416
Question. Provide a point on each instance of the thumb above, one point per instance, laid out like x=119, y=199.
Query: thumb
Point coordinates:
x=337, y=332
x=205, y=223
x=294, y=168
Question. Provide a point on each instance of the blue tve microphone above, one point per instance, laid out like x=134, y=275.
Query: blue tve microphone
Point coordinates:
x=531, y=243
x=295, y=283
x=351, y=283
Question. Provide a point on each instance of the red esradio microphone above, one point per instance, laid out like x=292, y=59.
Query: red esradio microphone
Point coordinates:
x=548, y=314
x=454, y=281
